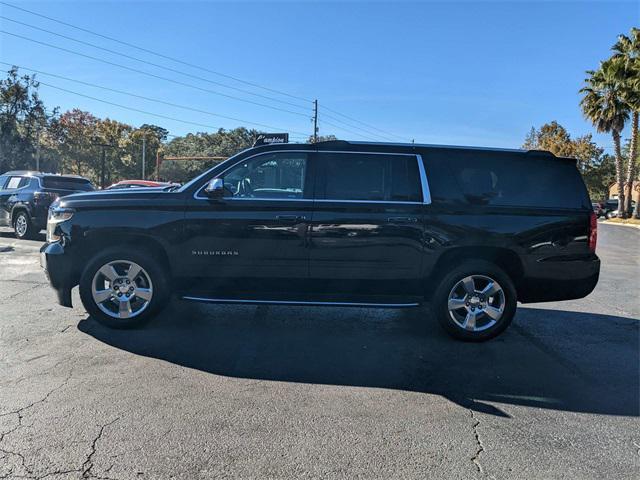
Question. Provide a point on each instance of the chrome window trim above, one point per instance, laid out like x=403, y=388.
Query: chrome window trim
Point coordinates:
x=426, y=194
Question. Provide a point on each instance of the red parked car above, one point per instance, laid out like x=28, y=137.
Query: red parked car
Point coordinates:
x=140, y=184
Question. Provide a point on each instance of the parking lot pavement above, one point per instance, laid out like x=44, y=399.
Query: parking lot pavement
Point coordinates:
x=282, y=392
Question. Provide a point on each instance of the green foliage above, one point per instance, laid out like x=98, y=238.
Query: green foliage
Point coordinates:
x=223, y=143
x=23, y=119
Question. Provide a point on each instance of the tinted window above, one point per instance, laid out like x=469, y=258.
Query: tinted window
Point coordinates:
x=370, y=177
x=67, y=183
x=3, y=180
x=272, y=175
x=506, y=179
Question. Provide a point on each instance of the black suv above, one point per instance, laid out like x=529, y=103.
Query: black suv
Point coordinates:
x=25, y=198
x=470, y=230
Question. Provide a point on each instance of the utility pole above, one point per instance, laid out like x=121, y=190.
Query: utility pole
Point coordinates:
x=144, y=155
x=315, y=121
x=102, y=165
x=38, y=149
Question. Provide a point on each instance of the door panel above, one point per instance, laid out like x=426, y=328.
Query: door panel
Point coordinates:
x=259, y=230
x=247, y=238
x=367, y=228
x=360, y=241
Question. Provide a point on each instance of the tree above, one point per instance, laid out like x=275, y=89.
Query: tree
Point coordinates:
x=604, y=106
x=23, y=119
x=151, y=138
x=223, y=143
x=627, y=52
x=554, y=138
x=75, y=133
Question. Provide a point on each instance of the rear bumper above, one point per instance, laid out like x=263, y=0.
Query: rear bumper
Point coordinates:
x=58, y=269
x=548, y=281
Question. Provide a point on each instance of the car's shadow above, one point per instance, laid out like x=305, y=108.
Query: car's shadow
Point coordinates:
x=570, y=361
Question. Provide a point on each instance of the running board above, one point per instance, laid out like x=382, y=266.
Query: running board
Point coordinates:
x=299, y=303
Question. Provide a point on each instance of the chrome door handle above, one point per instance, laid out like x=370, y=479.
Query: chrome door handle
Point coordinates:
x=402, y=220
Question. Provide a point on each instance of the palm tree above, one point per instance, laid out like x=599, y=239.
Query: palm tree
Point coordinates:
x=627, y=51
x=604, y=106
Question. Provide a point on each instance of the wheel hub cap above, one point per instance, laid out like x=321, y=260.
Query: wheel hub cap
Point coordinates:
x=122, y=289
x=476, y=303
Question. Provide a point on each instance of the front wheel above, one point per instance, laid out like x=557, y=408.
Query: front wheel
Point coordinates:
x=23, y=226
x=123, y=289
x=475, y=301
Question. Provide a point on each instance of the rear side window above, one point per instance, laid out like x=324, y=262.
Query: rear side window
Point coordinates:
x=3, y=180
x=17, y=182
x=67, y=183
x=498, y=178
x=369, y=177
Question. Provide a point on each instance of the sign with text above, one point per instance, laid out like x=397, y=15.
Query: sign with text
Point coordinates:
x=269, y=138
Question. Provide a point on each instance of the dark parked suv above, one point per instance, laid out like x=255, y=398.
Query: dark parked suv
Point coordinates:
x=469, y=230
x=25, y=198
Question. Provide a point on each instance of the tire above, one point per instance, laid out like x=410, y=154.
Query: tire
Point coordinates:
x=609, y=215
x=23, y=226
x=468, y=320
x=150, y=287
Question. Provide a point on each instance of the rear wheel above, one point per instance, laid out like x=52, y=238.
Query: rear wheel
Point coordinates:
x=475, y=301
x=123, y=289
x=23, y=226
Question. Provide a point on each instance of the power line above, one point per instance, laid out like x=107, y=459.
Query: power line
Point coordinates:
x=350, y=131
x=173, y=59
x=363, y=123
x=177, y=82
x=371, y=132
x=166, y=117
x=179, y=72
x=199, y=67
x=171, y=104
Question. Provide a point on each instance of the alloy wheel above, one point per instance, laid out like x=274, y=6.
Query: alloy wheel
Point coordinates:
x=122, y=289
x=21, y=225
x=476, y=303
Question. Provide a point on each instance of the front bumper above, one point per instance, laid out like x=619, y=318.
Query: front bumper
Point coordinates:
x=59, y=271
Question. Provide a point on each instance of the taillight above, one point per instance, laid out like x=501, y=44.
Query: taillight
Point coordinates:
x=593, y=232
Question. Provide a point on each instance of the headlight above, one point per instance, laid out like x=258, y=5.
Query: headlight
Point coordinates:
x=57, y=215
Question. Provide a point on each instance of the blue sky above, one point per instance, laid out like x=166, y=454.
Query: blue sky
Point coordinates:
x=475, y=73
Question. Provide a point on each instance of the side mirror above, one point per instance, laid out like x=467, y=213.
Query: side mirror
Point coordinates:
x=215, y=188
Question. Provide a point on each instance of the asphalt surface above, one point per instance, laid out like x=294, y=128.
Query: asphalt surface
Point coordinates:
x=284, y=392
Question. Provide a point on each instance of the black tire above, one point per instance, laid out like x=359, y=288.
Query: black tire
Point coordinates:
x=23, y=226
x=480, y=268
x=152, y=268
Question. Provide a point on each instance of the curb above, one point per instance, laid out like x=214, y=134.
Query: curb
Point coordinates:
x=606, y=222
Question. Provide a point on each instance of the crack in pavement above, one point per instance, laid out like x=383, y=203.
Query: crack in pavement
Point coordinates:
x=32, y=287
x=480, y=447
x=19, y=413
x=88, y=463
